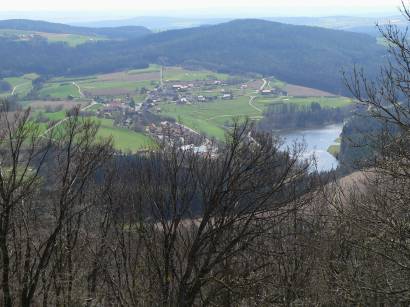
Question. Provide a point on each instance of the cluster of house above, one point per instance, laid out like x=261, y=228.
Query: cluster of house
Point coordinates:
x=181, y=93
x=118, y=105
x=171, y=133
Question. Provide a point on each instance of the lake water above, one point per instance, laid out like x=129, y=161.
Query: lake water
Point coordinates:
x=317, y=141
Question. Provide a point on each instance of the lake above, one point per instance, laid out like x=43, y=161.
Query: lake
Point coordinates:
x=317, y=142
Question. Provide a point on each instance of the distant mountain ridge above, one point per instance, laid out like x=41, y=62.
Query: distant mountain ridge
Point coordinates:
x=308, y=56
x=354, y=24
x=125, y=32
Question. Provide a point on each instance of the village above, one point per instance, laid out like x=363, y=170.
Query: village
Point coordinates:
x=145, y=116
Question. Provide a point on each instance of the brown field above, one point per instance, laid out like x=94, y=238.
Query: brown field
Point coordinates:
x=296, y=90
x=255, y=84
x=109, y=91
x=125, y=76
x=67, y=104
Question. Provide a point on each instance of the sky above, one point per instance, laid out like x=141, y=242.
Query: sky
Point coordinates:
x=228, y=8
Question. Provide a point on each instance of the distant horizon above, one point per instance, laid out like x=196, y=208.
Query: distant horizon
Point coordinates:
x=97, y=16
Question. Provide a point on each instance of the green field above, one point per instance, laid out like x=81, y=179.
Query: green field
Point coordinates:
x=212, y=118
x=111, y=84
x=325, y=102
x=59, y=90
x=179, y=74
x=107, y=85
x=71, y=39
x=150, y=68
x=334, y=150
x=123, y=139
x=23, y=85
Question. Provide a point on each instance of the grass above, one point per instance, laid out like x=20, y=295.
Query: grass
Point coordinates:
x=62, y=87
x=124, y=139
x=274, y=83
x=334, y=150
x=71, y=39
x=325, y=102
x=23, y=84
x=180, y=74
x=150, y=68
x=101, y=84
x=59, y=90
x=212, y=118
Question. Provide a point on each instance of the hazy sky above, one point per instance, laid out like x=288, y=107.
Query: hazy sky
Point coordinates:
x=119, y=8
x=151, y=5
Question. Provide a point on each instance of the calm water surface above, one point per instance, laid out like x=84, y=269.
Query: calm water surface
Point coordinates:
x=317, y=142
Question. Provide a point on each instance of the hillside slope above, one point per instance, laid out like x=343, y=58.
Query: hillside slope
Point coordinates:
x=301, y=55
x=126, y=32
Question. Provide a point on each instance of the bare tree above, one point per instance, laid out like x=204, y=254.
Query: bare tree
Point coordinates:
x=188, y=218
x=42, y=183
x=370, y=262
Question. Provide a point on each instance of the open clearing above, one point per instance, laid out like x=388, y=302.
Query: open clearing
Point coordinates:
x=181, y=74
x=66, y=104
x=59, y=90
x=71, y=39
x=123, y=139
x=211, y=118
x=113, y=84
x=296, y=90
x=21, y=86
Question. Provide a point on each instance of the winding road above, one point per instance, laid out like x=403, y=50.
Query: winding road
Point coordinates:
x=79, y=89
x=66, y=118
x=264, y=84
x=252, y=98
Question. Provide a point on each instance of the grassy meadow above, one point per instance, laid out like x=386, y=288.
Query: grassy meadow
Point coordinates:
x=72, y=40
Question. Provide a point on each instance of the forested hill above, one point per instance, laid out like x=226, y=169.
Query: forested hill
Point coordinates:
x=308, y=56
x=126, y=32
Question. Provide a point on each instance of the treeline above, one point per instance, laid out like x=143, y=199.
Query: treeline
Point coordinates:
x=292, y=116
x=296, y=54
x=4, y=86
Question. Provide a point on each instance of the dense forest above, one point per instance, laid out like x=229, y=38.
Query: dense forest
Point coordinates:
x=301, y=55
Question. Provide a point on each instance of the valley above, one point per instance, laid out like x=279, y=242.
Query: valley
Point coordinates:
x=132, y=105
